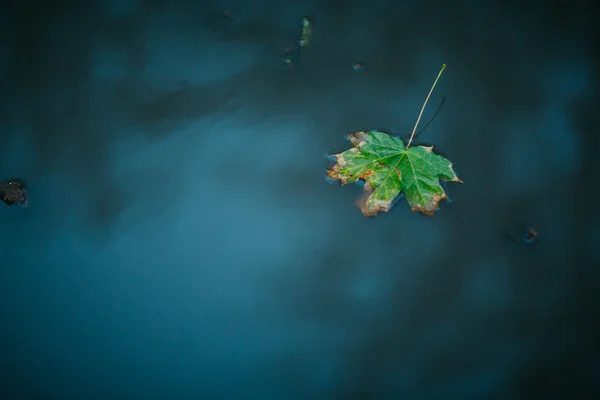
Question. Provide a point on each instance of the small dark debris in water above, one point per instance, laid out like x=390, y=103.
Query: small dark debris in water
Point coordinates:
x=524, y=234
x=291, y=54
x=358, y=66
x=13, y=193
x=530, y=236
x=288, y=56
x=287, y=60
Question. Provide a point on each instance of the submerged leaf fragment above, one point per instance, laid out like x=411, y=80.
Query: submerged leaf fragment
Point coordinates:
x=305, y=23
x=389, y=169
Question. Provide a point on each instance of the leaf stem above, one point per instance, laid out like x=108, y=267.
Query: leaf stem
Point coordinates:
x=412, y=135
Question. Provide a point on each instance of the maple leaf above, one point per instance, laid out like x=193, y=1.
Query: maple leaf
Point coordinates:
x=389, y=169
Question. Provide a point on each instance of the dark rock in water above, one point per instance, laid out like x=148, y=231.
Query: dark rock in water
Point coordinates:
x=13, y=193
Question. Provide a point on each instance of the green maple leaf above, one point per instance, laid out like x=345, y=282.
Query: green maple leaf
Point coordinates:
x=389, y=168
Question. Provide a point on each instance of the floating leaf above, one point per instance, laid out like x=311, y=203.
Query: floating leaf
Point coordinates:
x=388, y=169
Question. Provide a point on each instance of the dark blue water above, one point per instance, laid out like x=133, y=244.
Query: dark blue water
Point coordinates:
x=181, y=241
